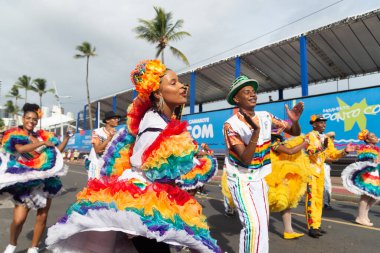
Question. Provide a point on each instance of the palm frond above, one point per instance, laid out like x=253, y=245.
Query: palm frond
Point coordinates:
x=86, y=49
x=179, y=54
x=159, y=51
x=178, y=36
x=178, y=24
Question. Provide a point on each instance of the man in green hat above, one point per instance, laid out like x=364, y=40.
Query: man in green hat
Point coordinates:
x=248, y=140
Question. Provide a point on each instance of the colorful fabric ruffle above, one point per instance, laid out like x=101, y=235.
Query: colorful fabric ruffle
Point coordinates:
x=368, y=153
x=171, y=153
x=200, y=174
x=290, y=174
x=158, y=211
x=44, y=162
x=3, y=162
x=30, y=178
x=226, y=191
x=33, y=194
x=362, y=178
x=135, y=112
x=116, y=157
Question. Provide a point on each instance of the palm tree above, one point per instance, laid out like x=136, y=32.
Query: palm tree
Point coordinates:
x=39, y=86
x=14, y=93
x=11, y=108
x=86, y=51
x=162, y=30
x=2, y=124
x=24, y=82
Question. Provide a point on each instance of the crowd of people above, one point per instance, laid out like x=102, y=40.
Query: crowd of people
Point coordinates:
x=142, y=179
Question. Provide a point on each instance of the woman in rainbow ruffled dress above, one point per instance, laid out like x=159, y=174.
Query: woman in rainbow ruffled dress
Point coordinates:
x=362, y=177
x=29, y=173
x=136, y=206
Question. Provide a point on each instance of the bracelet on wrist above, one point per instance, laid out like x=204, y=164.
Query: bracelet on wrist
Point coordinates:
x=253, y=141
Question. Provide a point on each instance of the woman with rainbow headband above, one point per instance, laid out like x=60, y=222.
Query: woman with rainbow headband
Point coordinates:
x=135, y=205
x=29, y=173
x=362, y=178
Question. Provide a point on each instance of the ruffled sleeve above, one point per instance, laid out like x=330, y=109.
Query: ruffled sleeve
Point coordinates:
x=171, y=153
x=48, y=136
x=205, y=168
x=12, y=137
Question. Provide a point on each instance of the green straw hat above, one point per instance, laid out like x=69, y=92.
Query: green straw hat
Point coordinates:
x=239, y=83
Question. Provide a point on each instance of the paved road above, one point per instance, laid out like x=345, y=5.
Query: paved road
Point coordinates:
x=343, y=235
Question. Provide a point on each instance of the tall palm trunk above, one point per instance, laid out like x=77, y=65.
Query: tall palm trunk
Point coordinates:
x=26, y=95
x=88, y=94
x=162, y=56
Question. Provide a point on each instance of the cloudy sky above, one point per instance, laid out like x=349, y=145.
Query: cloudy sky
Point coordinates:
x=38, y=38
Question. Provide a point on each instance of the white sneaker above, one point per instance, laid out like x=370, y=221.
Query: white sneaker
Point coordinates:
x=32, y=250
x=10, y=249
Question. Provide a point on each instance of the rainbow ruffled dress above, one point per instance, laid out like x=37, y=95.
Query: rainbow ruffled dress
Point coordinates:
x=290, y=174
x=133, y=197
x=30, y=178
x=363, y=177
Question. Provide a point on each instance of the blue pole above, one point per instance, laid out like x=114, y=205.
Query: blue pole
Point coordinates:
x=134, y=94
x=303, y=62
x=97, y=115
x=237, y=67
x=192, y=91
x=114, y=104
x=84, y=117
x=280, y=94
x=77, y=125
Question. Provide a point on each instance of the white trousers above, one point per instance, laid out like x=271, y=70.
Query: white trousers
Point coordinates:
x=251, y=200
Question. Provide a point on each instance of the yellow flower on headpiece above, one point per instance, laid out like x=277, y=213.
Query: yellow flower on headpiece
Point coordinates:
x=147, y=76
x=313, y=118
x=39, y=113
x=363, y=134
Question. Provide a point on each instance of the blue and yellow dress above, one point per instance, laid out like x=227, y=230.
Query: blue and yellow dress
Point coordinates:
x=30, y=178
x=362, y=177
x=137, y=195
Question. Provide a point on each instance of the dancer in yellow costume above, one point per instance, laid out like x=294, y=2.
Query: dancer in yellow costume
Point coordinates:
x=287, y=182
x=319, y=149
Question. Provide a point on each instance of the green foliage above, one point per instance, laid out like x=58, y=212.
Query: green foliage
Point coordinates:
x=161, y=31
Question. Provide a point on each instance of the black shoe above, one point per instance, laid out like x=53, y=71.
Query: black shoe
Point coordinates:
x=318, y=232
x=322, y=231
x=326, y=207
x=229, y=213
x=314, y=233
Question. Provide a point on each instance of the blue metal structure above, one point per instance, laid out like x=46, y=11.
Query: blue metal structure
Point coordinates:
x=77, y=123
x=114, y=104
x=280, y=94
x=304, y=70
x=84, y=117
x=134, y=94
x=97, y=115
x=193, y=81
x=237, y=67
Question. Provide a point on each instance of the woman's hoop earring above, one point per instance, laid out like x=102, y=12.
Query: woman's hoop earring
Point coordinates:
x=161, y=104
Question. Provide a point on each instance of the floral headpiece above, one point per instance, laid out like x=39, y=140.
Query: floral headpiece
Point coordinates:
x=363, y=134
x=146, y=76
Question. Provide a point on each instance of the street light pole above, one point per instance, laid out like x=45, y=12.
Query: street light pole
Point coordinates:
x=60, y=108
